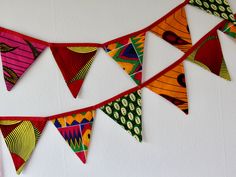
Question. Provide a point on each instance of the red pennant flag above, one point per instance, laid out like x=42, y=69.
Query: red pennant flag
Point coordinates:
x=21, y=138
x=76, y=130
x=18, y=53
x=128, y=53
x=209, y=56
x=171, y=86
x=174, y=29
x=74, y=63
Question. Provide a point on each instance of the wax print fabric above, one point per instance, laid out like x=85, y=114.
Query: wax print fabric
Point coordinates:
x=229, y=29
x=172, y=86
x=74, y=63
x=76, y=130
x=127, y=112
x=21, y=138
x=174, y=29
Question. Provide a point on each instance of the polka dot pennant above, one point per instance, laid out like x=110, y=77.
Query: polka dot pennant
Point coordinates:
x=127, y=112
x=220, y=8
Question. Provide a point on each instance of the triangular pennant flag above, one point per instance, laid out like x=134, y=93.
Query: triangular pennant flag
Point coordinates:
x=229, y=29
x=21, y=138
x=219, y=8
x=127, y=112
x=18, y=54
x=76, y=130
x=171, y=86
x=174, y=29
x=128, y=53
x=74, y=63
x=209, y=56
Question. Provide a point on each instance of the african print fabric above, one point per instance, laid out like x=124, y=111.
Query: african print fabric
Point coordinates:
x=127, y=112
x=171, y=86
x=18, y=54
x=76, y=130
x=174, y=29
x=74, y=63
x=128, y=53
x=219, y=8
x=229, y=29
x=210, y=57
x=21, y=138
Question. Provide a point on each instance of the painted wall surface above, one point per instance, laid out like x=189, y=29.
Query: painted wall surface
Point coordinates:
x=202, y=144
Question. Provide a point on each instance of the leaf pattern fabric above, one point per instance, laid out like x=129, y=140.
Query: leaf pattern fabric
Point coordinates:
x=18, y=54
x=76, y=130
x=174, y=29
x=127, y=112
x=21, y=138
x=219, y=8
x=128, y=53
x=172, y=86
x=74, y=63
x=210, y=57
x=229, y=29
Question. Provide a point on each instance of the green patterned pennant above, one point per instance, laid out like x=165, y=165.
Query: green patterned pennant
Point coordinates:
x=127, y=112
x=219, y=8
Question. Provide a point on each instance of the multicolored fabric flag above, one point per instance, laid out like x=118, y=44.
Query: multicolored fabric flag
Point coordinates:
x=21, y=138
x=172, y=86
x=127, y=112
x=18, y=53
x=174, y=29
x=128, y=53
x=210, y=57
x=229, y=29
x=74, y=63
x=219, y=8
x=76, y=130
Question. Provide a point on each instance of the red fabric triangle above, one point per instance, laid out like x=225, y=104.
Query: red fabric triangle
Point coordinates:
x=74, y=63
x=82, y=156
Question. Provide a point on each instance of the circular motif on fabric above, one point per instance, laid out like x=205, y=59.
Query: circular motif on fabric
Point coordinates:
x=229, y=10
x=108, y=110
x=216, y=13
x=122, y=119
x=117, y=106
x=226, y=2
x=219, y=1
x=130, y=116
x=124, y=102
x=206, y=4
x=137, y=120
x=116, y=115
x=136, y=137
x=222, y=8
x=110, y=103
x=213, y=6
x=139, y=102
x=129, y=132
x=139, y=92
x=129, y=125
x=136, y=130
x=224, y=15
x=132, y=97
x=199, y=2
x=208, y=11
x=139, y=111
x=131, y=106
x=123, y=111
x=231, y=16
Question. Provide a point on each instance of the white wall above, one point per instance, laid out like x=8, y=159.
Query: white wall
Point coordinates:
x=202, y=144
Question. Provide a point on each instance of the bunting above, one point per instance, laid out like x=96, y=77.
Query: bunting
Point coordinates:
x=18, y=53
x=174, y=29
x=210, y=57
x=219, y=8
x=229, y=29
x=76, y=130
x=74, y=63
x=127, y=112
x=172, y=86
x=128, y=53
x=21, y=138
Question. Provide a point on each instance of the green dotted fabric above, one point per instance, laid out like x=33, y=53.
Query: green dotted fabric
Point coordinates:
x=127, y=112
x=218, y=8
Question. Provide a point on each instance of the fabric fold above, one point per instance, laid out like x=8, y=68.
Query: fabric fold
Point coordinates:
x=127, y=112
x=172, y=86
x=219, y=8
x=174, y=29
x=76, y=130
x=21, y=138
x=74, y=63
x=128, y=53
x=18, y=53
x=209, y=56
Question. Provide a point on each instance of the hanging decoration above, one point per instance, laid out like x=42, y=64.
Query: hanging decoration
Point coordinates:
x=18, y=53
